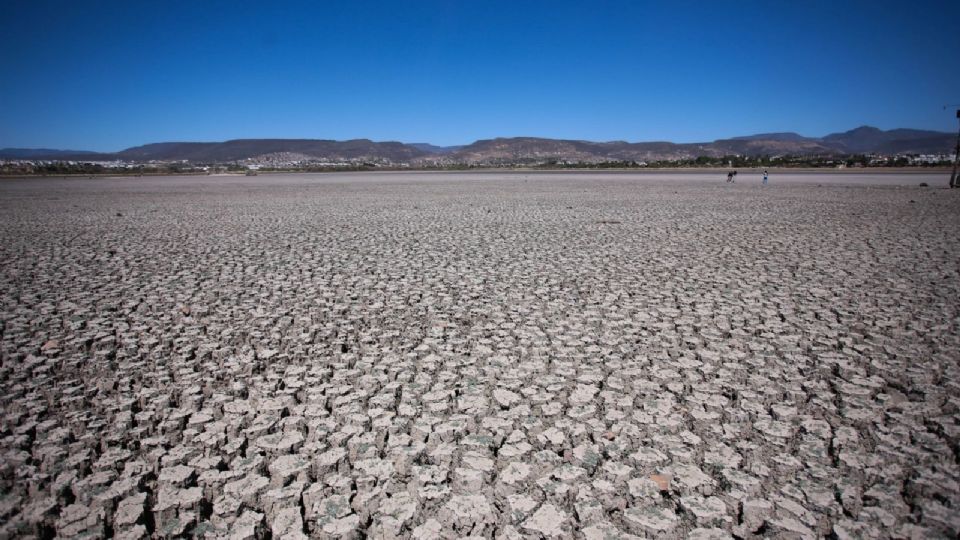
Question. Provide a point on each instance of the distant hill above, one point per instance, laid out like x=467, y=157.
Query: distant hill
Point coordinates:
x=240, y=149
x=519, y=150
x=858, y=141
x=866, y=139
x=173, y=151
x=761, y=146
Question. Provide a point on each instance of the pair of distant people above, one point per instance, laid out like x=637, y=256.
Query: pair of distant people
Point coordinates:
x=733, y=174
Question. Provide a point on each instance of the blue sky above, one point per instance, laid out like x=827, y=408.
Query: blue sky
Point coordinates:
x=107, y=75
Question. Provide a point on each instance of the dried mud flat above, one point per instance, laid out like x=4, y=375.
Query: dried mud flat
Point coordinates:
x=508, y=356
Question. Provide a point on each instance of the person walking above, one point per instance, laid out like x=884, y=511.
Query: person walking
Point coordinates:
x=765, y=176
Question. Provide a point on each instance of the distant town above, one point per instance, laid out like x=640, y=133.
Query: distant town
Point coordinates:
x=861, y=147
x=16, y=167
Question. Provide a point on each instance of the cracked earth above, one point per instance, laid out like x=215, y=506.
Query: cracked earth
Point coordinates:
x=488, y=356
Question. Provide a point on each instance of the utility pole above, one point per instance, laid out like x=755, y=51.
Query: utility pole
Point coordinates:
x=954, y=180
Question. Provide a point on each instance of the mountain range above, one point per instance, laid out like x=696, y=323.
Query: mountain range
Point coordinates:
x=518, y=150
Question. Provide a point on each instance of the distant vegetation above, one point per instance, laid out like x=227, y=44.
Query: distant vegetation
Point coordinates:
x=864, y=146
x=13, y=168
x=61, y=168
x=858, y=160
x=860, y=147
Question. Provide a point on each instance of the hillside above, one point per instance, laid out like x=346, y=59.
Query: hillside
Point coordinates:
x=517, y=150
x=240, y=149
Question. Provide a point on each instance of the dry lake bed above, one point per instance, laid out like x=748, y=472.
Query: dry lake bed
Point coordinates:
x=489, y=355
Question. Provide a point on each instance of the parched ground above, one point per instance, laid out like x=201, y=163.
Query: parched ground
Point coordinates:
x=499, y=355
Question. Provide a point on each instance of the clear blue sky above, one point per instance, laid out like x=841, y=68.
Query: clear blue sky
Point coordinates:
x=106, y=75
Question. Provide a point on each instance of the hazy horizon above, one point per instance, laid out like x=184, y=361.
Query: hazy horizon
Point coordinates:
x=115, y=150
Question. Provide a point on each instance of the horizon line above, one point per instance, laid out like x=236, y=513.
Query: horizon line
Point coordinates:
x=221, y=141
